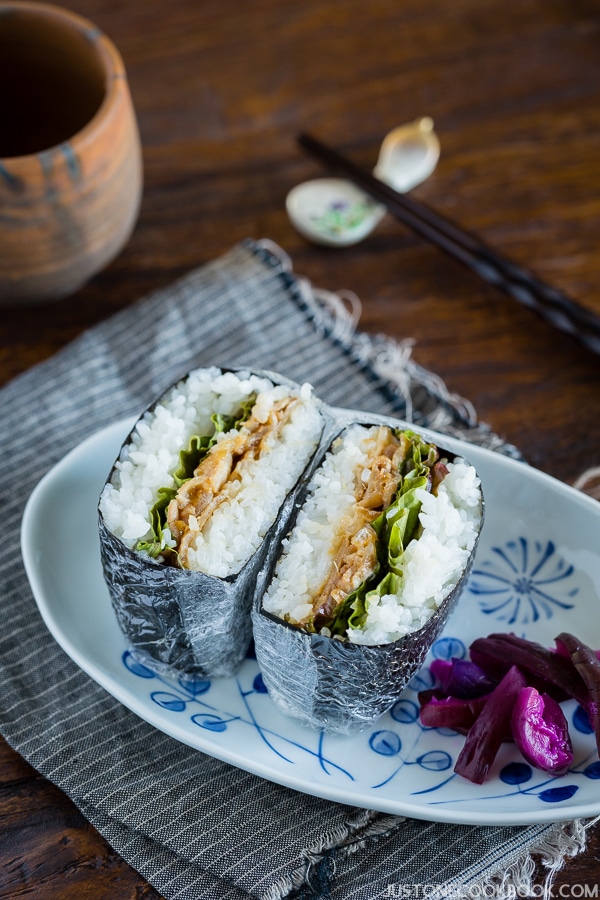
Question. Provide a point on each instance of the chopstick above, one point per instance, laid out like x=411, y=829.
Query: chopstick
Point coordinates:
x=550, y=303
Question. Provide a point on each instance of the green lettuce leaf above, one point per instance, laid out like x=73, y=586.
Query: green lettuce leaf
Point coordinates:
x=395, y=528
x=189, y=460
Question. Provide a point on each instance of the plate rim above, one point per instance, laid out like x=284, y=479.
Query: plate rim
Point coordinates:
x=124, y=695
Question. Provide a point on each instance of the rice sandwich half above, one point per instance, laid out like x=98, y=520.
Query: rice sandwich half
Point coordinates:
x=368, y=575
x=199, y=491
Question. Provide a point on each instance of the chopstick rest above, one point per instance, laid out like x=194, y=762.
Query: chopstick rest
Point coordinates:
x=468, y=249
x=335, y=212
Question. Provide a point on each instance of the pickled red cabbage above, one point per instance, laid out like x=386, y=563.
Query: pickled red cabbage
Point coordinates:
x=587, y=663
x=522, y=707
x=549, y=669
x=450, y=712
x=487, y=732
x=541, y=732
x=462, y=678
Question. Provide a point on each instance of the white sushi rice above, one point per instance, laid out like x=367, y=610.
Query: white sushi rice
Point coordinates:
x=433, y=564
x=149, y=460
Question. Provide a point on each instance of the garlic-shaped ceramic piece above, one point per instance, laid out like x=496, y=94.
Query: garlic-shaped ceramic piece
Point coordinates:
x=335, y=212
x=408, y=155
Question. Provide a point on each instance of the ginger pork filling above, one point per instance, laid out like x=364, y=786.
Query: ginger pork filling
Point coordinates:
x=354, y=554
x=382, y=537
x=219, y=476
x=201, y=478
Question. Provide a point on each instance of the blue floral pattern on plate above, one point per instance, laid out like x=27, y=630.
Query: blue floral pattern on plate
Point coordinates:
x=183, y=695
x=523, y=581
x=545, y=536
x=397, y=738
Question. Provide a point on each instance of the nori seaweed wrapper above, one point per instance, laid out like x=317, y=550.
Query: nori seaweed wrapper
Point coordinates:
x=332, y=684
x=180, y=621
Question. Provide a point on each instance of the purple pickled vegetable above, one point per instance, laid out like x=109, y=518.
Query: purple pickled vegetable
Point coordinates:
x=450, y=712
x=487, y=732
x=541, y=732
x=560, y=648
x=462, y=678
x=554, y=673
x=425, y=696
x=466, y=679
x=547, y=687
x=497, y=668
x=441, y=669
x=586, y=662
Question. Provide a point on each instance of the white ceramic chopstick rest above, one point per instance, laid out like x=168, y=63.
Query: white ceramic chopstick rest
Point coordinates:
x=334, y=212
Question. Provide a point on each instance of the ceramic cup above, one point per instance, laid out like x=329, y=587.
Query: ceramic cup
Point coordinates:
x=70, y=158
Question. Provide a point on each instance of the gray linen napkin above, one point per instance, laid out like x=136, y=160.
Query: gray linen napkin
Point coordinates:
x=192, y=825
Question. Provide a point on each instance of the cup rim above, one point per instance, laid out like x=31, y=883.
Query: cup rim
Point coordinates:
x=108, y=55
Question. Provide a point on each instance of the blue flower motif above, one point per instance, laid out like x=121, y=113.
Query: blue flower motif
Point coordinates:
x=558, y=794
x=592, y=771
x=581, y=721
x=516, y=773
x=135, y=666
x=212, y=722
x=449, y=647
x=405, y=711
x=259, y=685
x=525, y=581
x=435, y=760
x=386, y=743
x=168, y=701
x=422, y=681
x=194, y=685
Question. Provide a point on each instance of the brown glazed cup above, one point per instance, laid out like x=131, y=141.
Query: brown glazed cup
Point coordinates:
x=70, y=156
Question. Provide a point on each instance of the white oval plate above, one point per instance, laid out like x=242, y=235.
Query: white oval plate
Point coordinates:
x=537, y=573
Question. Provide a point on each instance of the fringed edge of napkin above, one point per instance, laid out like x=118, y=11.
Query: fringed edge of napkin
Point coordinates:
x=512, y=879
x=386, y=360
x=337, y=314
x=318, y=863
x=565, y=841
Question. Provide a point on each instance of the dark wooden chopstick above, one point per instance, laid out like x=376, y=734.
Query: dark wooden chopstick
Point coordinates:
x=550, y=303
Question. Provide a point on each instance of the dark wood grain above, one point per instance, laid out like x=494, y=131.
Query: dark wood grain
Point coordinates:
x=48, y=849
x=221, y=90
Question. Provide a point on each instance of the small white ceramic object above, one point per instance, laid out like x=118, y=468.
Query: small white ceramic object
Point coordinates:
x=537, y=573
x=332, y=211
x=336, y=213
x=408, y=155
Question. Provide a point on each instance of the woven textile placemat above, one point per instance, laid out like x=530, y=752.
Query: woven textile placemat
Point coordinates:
x=193, y=826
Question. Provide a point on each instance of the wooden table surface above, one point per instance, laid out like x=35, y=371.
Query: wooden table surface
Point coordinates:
x=221, y=89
